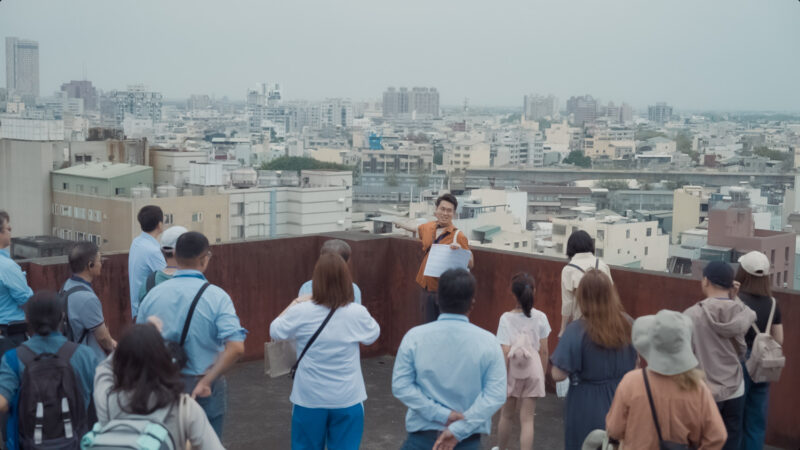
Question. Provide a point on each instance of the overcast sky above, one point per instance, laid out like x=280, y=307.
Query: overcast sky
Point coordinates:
x=694, y=54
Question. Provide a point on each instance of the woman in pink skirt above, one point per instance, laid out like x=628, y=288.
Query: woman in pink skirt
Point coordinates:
x=522, y=332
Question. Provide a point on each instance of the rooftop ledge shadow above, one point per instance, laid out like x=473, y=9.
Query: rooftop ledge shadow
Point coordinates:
x=263, y=276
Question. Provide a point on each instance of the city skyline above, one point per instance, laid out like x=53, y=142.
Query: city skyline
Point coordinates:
x=492, y=55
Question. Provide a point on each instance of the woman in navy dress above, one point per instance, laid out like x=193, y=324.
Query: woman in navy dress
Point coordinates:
x=595, y=352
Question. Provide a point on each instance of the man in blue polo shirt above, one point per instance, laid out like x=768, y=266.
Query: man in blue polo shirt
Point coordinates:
x=14, y=290
x=215, y=340
x=336, y=247
x=84, y=311
x=145, y=253
x=44, y=316
x=450, y=373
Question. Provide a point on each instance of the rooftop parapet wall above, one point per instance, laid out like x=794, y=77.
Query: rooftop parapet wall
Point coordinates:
x=263, y=276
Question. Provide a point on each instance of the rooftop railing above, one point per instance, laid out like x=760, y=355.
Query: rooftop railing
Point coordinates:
x=263, y=276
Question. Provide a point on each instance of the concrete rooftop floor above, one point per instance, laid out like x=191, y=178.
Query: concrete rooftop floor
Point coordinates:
x=259, y=412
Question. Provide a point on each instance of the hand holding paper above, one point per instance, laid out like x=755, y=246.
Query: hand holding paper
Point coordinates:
x=443, y=257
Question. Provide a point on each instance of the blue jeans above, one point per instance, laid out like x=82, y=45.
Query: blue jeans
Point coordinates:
x=336, y=429
x=754, y=424
x=214, y=405
x=424, y=440
x=732, y=412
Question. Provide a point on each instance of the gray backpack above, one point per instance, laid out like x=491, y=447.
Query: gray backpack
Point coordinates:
x=132, y=431
x=766, y=358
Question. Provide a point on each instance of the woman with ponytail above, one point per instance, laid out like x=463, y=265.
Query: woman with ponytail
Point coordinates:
x=522, y=333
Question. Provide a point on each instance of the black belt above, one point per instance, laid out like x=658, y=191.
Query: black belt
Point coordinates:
x=15, y=327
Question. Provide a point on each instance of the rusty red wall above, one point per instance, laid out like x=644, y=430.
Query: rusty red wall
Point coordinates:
x=262, y=277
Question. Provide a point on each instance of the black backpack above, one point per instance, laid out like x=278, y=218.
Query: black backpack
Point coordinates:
x=66, y=327
x=51, y=411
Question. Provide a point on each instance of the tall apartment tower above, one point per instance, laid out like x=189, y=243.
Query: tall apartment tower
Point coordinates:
x=419, y=101
x=537, y=107
x=22, y=67
x=659, y=113
x=584, y=108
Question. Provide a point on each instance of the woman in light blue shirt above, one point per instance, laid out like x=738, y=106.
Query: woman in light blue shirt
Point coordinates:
x=328, y=388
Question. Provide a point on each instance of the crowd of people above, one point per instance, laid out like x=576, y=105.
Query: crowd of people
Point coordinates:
x=692, y=379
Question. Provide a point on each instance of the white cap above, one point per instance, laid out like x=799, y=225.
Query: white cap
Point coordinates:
x=170, y=237
x=755, y=263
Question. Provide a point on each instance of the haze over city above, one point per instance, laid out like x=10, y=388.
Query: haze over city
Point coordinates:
x=711, y=55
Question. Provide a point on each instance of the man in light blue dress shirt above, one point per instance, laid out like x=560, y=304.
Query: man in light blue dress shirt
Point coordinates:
x=215, y=340
x=14, y=290
x=145, y=254
x=451, y=374
x=336, y=247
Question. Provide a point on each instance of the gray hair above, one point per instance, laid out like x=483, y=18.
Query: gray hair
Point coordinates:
x=336, y=247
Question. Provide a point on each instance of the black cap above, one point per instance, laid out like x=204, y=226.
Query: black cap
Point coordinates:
x=719, y=273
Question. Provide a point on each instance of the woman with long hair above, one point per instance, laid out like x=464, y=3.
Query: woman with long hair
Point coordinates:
x=328, y=389
x=594, y=352
x=682, y=403
x=522, y=333
x=755, y=292
x=140, y=379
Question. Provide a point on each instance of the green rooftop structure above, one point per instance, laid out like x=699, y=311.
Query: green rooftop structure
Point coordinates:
x=102, y=179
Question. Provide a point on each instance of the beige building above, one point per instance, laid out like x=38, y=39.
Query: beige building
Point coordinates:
x=608, y=149
x=25, y=183
x=111, y=223
x=618, y=241
x=689, y=207
x=172, y=167
x=400, y=157
x=465, y=153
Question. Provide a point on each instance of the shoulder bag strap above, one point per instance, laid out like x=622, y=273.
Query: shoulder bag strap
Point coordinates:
x=652, y=405
x=185, y=332
x=768, y=329
x=67, y=350
x=597, y=263
x=436, y=240
x=311, y=341
x=576, y=266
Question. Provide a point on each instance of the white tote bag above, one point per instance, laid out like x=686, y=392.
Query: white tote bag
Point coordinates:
x=279, y=357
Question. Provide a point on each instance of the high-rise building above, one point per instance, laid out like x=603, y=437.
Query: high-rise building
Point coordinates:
x=659, y=113
x=82, y=89
x=22, y=67
x=137, y=102
x=584, y=109
x=416, y=103
x=536, y=107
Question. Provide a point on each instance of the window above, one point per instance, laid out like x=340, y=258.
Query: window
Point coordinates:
x=645, y=249
x=80, y=213
x=779, y=279
x=78, y=188
x=168, y=219
x=559, y=229
x=786, y=254
x=649, y=232
x=786, y=276
x=197, y=217
x=619, y=251
x=627, y=234
x=516, y=244
x=119, y=191
x=93, y=190
x=772, y=256
x=524, y=243
x=599, y=252
x=66, y=210
x=601, y=235
x=65, y=186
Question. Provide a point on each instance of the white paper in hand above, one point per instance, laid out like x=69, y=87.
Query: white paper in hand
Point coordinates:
x=442, y=258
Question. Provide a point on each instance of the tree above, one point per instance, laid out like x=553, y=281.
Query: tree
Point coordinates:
x=642, y=134
x=301, y=163
x=544, y=124
x=391, y=178
x=612, y=185
x=683, y=143
x=578, y=158
x=512, y=118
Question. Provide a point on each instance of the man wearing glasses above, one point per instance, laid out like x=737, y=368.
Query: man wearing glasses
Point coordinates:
x=439, y=231
x=14, y=290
